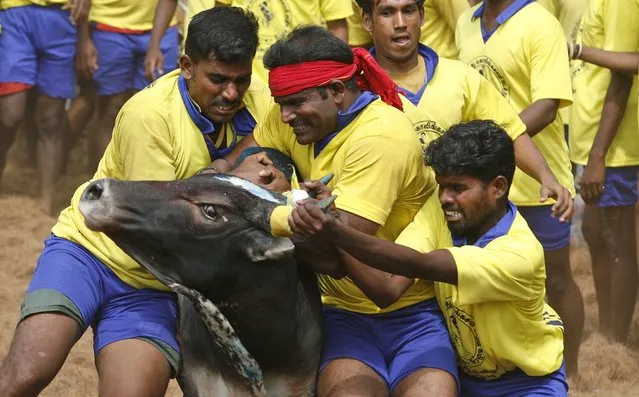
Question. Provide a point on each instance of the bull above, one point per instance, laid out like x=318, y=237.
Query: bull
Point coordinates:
x=249, y=316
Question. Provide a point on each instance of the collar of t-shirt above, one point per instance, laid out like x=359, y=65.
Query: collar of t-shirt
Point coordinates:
x=431, y=59
x=345, y=118
x=243, y=122
x=502, y=18
x=500, y=229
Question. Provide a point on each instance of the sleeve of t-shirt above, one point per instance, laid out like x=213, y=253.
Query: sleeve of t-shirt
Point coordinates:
x=333, y=10
x=484, y=102
x=549, y=67
x=428, y=231
x=374, y=171
x=502, y=271
x=268, y=132
x=620, y=25
x=145, y=146
x=451, y=10
x=226, y=2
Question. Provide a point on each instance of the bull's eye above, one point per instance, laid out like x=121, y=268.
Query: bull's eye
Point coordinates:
x=209, y=211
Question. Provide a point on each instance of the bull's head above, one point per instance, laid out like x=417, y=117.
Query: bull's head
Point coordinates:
x=188, y=231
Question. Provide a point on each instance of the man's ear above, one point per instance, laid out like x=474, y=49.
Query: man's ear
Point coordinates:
x=186, y=65
x=367, y=21
x=338, y=88
x=500, y=186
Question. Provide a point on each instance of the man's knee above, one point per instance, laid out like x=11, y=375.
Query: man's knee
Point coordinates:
x=12, y=111
x=348, y=377
x=427, y=382
x=50, y=114
x=591, y=227
x=558, y=272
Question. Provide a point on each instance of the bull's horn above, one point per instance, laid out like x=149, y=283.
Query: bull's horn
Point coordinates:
x=326, y=178
x=326, y=203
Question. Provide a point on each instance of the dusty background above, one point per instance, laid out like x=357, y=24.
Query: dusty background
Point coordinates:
x=606, y=369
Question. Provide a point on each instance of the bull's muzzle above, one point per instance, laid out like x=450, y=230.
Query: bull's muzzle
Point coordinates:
x=95, y=203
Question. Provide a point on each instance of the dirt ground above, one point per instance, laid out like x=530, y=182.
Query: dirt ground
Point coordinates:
x=606, y=369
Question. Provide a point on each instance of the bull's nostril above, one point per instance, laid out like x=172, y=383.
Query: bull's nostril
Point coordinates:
x=94, y=191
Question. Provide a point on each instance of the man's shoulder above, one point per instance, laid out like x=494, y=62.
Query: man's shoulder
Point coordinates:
x=520, y=238
x=160, y=98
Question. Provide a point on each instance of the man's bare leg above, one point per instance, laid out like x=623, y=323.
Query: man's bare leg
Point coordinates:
x=619, y=234
x=132, y=368
x=53, y=128
x=565, y=297
x=40, y=346
x=591, y=228
x=80, y=114
x=350, y=378
x=12, y=110
x=427, y=382
x=108, y=108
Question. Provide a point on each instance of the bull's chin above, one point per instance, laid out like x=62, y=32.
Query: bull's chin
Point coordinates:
x=98, y=217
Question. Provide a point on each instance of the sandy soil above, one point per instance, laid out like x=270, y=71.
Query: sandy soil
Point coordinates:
x=606, y=369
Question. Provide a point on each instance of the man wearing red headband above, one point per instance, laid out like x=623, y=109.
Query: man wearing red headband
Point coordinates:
x=339, y=112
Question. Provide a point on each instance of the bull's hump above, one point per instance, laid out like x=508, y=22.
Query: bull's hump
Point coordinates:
x=250, y=187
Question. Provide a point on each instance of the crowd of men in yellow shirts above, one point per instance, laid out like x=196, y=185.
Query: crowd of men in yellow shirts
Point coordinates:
x=555, y=76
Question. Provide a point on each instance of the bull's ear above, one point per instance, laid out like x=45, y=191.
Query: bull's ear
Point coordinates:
x=268, y=247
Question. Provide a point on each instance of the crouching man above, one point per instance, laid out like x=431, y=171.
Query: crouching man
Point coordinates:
x=487, y=265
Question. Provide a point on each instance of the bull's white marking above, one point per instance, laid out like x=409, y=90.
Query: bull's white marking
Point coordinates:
x=250, y=187
x=226, y=339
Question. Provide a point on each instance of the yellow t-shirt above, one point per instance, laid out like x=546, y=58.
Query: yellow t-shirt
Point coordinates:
x=357, y=35
x=379, y=175
x=610, y=25
x=278, y=17
x=440, y=20
x=6, y=4
x=496, y=314
x=155, y=138
x=526, y=60
x=456, y=93
x=125, y=14
x=568, y=13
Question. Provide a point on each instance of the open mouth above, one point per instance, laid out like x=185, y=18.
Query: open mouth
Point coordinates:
x=225, y=109
x=453, y=216
x=401, y=40
x=299, y=129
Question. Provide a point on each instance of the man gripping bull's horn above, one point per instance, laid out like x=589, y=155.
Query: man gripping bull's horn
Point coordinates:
x=338, y=111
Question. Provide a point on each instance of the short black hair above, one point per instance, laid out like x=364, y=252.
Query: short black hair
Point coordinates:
x=367, y=5
x=227, y=34
x=480, y=149
x=307, y=43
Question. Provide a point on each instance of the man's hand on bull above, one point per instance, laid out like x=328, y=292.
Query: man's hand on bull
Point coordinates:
x=309, y=221
x=318, y=189
x=259, y=169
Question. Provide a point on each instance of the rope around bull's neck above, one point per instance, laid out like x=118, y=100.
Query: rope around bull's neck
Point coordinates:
x=225, y=338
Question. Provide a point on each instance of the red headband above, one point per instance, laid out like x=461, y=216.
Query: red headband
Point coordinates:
x=289, y=79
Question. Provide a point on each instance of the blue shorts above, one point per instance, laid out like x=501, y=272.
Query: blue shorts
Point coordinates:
x=121, y=59
x=37, y=48
x=69, y=279
x=551, y=233
x=516, y=384
x=393, y=344
x=620, y=187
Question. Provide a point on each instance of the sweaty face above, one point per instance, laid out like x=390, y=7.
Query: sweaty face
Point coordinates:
x=217, y=87
x=311, y=116
x=467, y=204
x=396, y=27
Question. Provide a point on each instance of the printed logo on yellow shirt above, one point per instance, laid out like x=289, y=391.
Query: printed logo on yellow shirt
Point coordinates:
x=470, y=352
x=490, y=71
x=427, y=131
x=277, y=17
